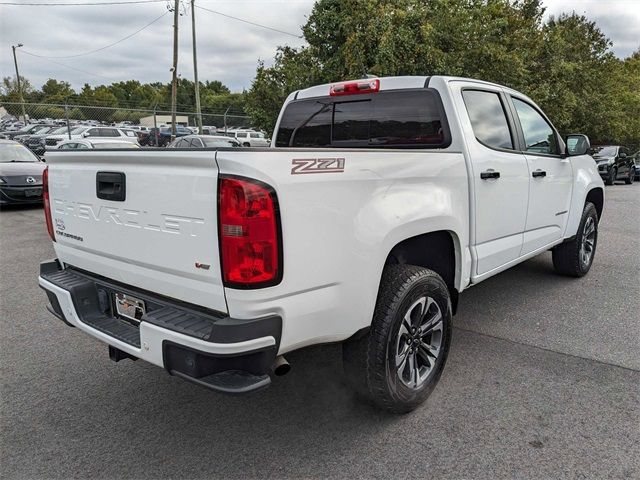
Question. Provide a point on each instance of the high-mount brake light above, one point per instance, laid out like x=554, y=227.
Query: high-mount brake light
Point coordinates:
x=249, y=229
x=352, y=88
x=47, y=203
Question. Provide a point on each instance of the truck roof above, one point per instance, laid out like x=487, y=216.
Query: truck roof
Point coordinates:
x=391, y=83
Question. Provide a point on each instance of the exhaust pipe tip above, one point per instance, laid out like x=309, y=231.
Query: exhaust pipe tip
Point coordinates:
x=280, y=366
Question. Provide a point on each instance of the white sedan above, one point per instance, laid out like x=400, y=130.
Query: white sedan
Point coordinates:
x=102, y=143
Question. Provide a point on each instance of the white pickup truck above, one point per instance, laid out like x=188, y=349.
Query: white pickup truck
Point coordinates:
x=379, y=201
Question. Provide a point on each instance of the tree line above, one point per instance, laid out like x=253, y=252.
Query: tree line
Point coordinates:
x=120, y=100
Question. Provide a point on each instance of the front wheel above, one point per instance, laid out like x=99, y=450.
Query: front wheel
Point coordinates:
x=575, y=257
x=612, y=176
x=630, y=178
x=398, y=363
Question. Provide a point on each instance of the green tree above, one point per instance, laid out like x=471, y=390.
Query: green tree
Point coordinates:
x=214, y=87
x=54, y=91
x=495, y=39
x=566, y=64
x=125, y=92
x=9, y=89
x=574, y=83
x=293, y=69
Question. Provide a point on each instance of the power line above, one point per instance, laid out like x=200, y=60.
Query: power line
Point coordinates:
x=22, y=4
x=72, y=68
x=249, y=22
x=101, y=48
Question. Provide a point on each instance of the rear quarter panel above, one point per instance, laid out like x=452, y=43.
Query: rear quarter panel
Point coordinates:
x=338, y=229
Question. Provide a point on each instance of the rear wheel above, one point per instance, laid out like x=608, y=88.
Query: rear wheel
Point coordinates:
x=574, y=258
x=399, y=362
x=612, y=176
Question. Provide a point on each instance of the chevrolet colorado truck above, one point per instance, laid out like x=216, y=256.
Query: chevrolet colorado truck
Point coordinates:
x=378, y=202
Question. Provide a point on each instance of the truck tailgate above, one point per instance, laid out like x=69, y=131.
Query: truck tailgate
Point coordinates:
x=161, y=236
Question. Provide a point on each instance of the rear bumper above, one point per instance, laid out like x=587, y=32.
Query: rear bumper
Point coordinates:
x=17, y=194
x=208, y=348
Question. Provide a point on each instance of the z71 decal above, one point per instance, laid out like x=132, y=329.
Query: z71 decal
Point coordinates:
x=317, y=165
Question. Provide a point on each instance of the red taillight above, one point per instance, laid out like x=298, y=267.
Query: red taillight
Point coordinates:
x=351, y=88
x=249, y=233
x=47, y=204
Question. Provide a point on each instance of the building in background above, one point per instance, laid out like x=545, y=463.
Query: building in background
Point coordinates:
x=164, y=120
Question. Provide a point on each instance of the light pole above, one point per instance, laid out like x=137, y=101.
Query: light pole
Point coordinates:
x=174, y=80
x=15, y=62
x=195, y=66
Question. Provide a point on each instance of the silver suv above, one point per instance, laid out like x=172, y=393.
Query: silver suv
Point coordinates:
x=249, y=138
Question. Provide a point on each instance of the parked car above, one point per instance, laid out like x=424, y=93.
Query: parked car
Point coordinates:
x=203, y=141
x=250, y=138
x=121, y=134
x=138, y=128
x=614, y=163
x=12, y=127
x=89, y=143
x=20, y=174
x=636, y=166
x=39, y=128
x=161, y=137
x=213, y=265
x=26, y=130
x=36, y=143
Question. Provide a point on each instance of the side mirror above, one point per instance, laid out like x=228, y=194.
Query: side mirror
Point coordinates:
x=623, y=155
x=577, y=144
x=85, y=134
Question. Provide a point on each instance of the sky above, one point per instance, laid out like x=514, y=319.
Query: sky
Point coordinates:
x=228, y=49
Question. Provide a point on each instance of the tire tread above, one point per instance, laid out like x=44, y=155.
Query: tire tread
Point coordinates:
x=566, y=256
x=366, y=357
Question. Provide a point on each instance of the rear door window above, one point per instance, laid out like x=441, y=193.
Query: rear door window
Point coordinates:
x=488, y=118
x=109, y=132
x=400, y=118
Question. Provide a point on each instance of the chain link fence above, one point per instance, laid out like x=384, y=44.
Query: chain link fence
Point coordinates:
x=141, y=120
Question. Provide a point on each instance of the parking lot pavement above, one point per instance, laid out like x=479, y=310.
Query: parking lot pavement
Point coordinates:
x=543, y=381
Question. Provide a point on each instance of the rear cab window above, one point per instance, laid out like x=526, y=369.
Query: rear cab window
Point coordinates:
x=408, y=118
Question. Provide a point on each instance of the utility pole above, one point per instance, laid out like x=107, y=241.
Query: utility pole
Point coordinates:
x=225, y=120
x=195, y=66
x=15, y=62
x=174, y=80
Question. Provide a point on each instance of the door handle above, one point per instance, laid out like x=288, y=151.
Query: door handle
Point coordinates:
x=111, y=186
x=487, y=174
x=539, y=173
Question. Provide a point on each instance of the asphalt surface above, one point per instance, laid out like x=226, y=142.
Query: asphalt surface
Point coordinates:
x=543, y=381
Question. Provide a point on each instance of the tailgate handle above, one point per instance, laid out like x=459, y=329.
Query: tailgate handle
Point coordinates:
x=111, y=186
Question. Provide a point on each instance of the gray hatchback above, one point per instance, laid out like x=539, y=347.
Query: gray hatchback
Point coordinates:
x=20, y=174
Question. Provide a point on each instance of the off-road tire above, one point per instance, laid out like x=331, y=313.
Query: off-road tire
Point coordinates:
x=566, y=256
x=369, y=361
